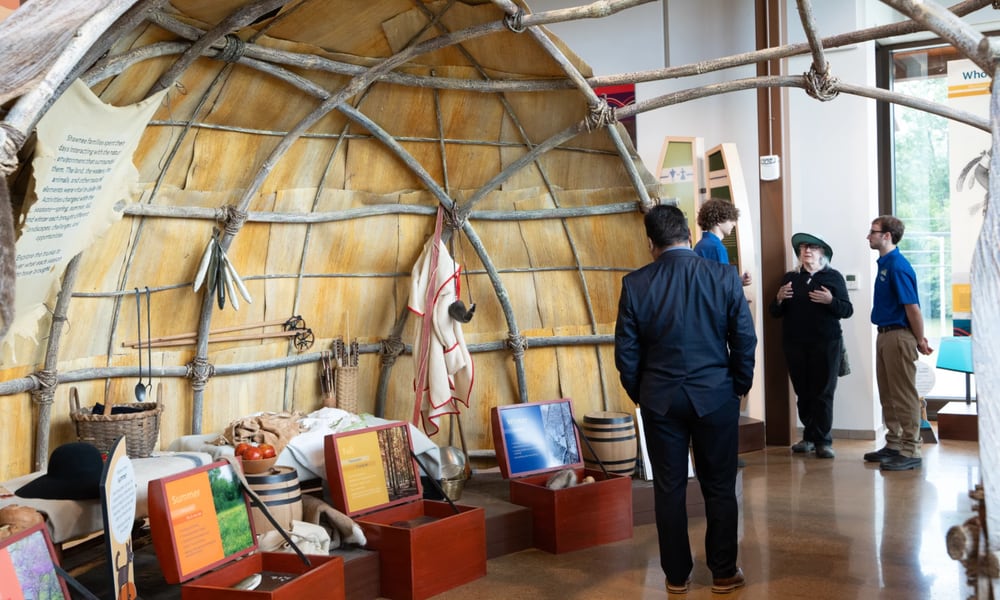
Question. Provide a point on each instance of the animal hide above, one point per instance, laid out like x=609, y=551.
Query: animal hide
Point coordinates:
x=8, y=254
x=276, y=429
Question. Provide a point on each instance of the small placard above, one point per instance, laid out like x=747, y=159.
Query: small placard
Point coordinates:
x=199, y=519
x=28, y=566
x=535, y=437
x=118, y=496
x=371, y=468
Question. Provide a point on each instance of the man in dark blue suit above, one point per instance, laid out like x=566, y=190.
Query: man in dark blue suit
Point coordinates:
x=684, y=347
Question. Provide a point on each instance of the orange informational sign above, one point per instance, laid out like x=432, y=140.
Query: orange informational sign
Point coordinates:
x=363, y=471
x=194, y=522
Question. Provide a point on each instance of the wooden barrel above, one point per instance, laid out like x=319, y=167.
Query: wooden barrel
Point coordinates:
x=611, y=435
x=278, y=489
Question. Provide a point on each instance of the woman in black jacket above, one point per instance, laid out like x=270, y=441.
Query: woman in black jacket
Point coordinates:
x=812, y=300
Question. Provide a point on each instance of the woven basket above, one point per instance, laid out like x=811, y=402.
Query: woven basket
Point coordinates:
x=141, y=429
x=346, y=389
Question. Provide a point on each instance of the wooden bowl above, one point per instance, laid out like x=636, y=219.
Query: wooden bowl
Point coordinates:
x=258, y=466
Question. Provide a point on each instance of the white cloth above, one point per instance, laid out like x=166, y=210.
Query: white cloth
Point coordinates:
x=304, y=452
x=450, y=370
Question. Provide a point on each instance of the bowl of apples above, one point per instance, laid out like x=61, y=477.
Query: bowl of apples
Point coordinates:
x=257, y=458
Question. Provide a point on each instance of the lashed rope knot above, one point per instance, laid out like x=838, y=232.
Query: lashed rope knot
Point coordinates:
x=45, y=386
x=233, y=50
x=390, y=349
x=820, y=85
x=231, y=217
x=513, y=22
x=10, y=141
x=454, y=219
x=517, y=345
x=199, y=371
x=601, y=115
x=645, y=206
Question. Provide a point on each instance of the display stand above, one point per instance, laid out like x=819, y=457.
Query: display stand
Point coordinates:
x=204, y=539
x=425, y=547
x=536, y=440
x=958, y=420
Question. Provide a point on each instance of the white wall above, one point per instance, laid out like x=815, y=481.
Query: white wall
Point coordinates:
x=829, y=165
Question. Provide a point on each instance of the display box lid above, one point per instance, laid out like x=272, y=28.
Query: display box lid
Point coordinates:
x=28, y=566
x=535, y=437
x=199, y=519
x=371, y=469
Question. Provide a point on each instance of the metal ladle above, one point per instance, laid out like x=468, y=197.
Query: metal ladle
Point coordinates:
x=140, y=389
x=149, y=345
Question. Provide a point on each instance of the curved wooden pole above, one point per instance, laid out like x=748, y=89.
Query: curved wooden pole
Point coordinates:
x=470, y=233
x=115, y=65
x=974, y=45
x=815, y=43
x=242, y=17
x=45, y=395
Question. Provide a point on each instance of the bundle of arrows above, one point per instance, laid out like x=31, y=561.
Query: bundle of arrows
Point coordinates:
x=220, y=274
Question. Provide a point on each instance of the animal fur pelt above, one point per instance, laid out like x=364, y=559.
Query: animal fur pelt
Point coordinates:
x=344, y=529
x=8, y=254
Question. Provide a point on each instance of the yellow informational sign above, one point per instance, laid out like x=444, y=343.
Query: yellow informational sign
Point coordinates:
x=363, y=471
x=961, y=298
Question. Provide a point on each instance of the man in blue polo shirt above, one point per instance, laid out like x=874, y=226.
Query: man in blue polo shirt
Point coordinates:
x=896, y=314
x=717, y=219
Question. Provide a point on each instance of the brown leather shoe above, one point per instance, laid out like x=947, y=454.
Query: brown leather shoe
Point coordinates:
x=673, y=588
x=724, y=585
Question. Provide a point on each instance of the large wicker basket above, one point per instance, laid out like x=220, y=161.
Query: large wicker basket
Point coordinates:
x=141, y=428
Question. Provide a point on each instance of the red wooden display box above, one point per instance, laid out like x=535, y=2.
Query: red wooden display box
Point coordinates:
x=425, y=547
x=204, y=539
x=534, y=441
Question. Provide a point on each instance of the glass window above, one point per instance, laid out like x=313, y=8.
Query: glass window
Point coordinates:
x=924, y=186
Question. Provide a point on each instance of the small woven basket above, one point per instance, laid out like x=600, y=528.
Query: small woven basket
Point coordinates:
x=141, y=428
x=346, y=389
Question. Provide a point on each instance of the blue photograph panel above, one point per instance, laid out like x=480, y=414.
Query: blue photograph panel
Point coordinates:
x=539, y=437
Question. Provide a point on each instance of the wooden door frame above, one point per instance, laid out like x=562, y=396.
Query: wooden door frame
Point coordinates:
x=779, y=412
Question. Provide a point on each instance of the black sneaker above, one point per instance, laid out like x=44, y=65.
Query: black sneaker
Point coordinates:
x=881, y=455
x=825, y=452
x=802, y=446
x=901, y=463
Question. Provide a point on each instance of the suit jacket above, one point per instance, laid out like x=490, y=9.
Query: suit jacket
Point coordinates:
x=684, y=327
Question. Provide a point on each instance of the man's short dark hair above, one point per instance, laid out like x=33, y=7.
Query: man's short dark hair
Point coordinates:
x=715, y=211
x=892, y=225
x=666, y=226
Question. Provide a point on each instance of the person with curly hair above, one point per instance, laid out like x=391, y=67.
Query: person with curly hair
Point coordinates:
x=717, y=219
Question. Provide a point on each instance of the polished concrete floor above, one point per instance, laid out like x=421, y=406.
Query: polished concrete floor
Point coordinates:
x=810, y=528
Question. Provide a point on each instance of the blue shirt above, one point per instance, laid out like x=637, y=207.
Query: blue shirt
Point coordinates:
x=711, y=247
x=895, y=287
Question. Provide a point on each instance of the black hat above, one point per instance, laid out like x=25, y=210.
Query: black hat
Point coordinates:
x=74, y=473
x=808, y=238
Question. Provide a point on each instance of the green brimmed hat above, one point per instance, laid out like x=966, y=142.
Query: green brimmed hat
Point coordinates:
x=808, y=238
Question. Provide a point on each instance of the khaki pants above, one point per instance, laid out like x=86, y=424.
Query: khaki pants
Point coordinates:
x=896, y=371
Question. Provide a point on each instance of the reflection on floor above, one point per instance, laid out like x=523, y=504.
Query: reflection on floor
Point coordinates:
x=810, y=528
